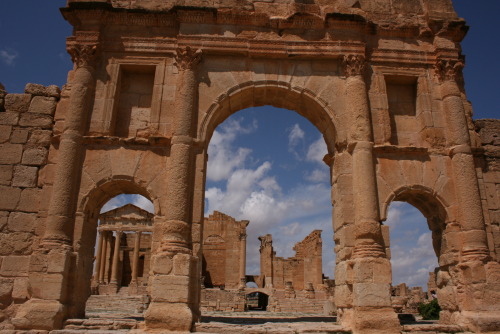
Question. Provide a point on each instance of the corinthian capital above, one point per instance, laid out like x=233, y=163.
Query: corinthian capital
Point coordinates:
x=187, y=58
x=353, y=65
x=447, y=69
x=82, y=54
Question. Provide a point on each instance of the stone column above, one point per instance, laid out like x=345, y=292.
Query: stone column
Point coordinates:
x=60, y=220
x=371, y=270
x=107, y=256
x=97, y=268
x=135, y=264
x=116, y=259
x=457, y=133
x=475, y=276
x=172, y=287
x=50, y=304
x=105, y=235
x=243, y=258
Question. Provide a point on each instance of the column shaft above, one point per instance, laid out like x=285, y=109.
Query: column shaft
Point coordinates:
x=97, y=267
x=60, y=220
x=135, y=265
x=173, y=304
x=472, y=220
x=371, y=310
x=104, y=250
x=116, y=258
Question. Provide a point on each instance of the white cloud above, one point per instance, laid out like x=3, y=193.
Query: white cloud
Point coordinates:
x=412, y=265
x=295, y=136
x=317, y=151
x=318, y=175
x=223, y=158
x=394, y=214
x=8, y=56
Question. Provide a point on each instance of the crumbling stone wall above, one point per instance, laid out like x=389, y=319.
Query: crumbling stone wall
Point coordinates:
x=488, y=162
x=302, y=269
x=224, y=246
x=26, y=123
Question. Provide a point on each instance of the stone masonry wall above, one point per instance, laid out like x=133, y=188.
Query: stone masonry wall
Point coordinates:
x=26, y=122
x=489, y=178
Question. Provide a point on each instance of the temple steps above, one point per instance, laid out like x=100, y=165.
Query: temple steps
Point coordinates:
x=120, y=303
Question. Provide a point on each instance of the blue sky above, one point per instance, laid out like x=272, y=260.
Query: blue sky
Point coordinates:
x=265, y=163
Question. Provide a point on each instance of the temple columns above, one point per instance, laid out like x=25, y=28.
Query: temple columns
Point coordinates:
x=371, y=277
x=173, y=283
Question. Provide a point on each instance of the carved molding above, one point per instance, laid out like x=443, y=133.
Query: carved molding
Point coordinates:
x=353, y=65
x=82, y=54
x=447, y=69
x=187, y=58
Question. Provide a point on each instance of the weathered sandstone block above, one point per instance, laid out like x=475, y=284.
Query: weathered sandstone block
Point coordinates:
x=36, y=120
x=6, y=172
x=35, y=156
x=40, y=90
x=25, y=176
x=19, y=136
x=43, y=105
x=21, y=222
x=11, y=153
x=5, y=131
x=9, y=197
x=15, y=266
x=40, y=314
x=17, y=102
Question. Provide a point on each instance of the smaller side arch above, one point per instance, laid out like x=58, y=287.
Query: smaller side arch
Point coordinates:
x=429, y=203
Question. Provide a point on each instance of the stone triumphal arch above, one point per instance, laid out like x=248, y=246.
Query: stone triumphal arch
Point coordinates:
x=152, y=79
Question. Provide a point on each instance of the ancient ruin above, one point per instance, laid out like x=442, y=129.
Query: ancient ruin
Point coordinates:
x=152, y=79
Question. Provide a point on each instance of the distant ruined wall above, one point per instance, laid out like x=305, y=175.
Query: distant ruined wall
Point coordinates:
x=303, y=268
x=488, y=162
x=26, y=123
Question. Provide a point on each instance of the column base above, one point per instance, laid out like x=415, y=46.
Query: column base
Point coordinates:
x=40, y=314
x=169, y=316
x=364, y=320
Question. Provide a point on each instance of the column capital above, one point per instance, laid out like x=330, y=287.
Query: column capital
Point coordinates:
x=353, y=65
x=187, y=58
x=82, y=55
x=448, y=69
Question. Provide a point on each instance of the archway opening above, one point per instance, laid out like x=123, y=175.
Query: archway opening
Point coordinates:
x=266, y=166
x=257, y=301
x=416, y=222
x=123, y=245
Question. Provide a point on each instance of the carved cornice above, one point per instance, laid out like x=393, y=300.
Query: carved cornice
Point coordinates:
x=187, y=58
x=449, y=69
x=82, y=54
x=353, y=65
